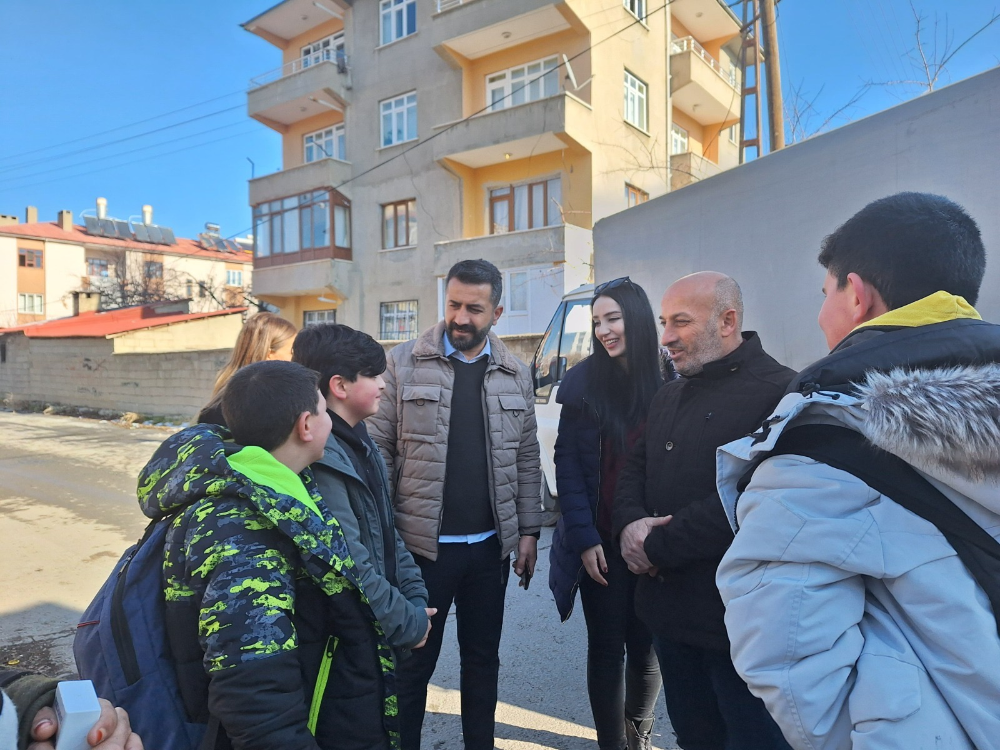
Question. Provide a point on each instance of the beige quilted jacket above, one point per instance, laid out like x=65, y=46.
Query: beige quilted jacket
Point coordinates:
x=411, y=429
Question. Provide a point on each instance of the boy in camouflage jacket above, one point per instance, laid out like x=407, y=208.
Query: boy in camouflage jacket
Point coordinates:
x=272, y=637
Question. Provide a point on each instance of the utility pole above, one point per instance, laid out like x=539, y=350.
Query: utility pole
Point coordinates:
x=775, y=107
x=750, y=58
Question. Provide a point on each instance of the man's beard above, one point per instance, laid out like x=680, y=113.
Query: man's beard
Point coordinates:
x=478, y=336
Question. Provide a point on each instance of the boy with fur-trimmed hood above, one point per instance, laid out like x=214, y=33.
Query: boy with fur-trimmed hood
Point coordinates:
x=853, y=618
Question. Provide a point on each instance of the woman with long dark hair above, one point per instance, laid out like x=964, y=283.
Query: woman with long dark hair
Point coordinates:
x=604, y=400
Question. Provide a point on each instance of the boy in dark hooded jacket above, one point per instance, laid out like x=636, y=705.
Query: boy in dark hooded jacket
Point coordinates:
x=272, y=637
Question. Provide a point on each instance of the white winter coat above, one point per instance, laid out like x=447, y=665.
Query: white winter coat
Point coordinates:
x=851, y=617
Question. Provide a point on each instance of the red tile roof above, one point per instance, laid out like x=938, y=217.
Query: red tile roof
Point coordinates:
x=102, y=324
x=52, y=231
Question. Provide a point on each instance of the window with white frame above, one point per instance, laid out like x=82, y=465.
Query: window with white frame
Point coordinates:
x=399, y=119
x=318, y=317
x=637, y=8
x=234, y=278
x=30, y=303
x=678, y=140
x=399, y=224
x=398, y=18
x=523, y=83
x=329, y=143
x=528, y=206
x=636, y=110
x=398, y=320
x=732, y=133
x=517, y=292
x=330, y=48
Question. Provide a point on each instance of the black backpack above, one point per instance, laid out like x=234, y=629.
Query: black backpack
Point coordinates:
x=892, y=477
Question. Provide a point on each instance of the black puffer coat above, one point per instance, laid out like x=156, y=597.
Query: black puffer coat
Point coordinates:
x=671, y=471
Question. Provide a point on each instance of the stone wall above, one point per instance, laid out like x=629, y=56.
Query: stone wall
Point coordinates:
x=86, y=373
x=521, y=345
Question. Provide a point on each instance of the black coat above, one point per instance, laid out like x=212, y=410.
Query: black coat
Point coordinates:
x=578, y=461
x=671, y=471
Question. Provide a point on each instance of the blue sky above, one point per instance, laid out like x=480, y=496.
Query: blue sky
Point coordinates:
x=71, y=71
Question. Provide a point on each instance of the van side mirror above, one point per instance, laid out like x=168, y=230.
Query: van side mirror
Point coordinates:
x=557, y=368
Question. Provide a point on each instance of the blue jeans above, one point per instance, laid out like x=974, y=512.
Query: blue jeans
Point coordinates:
x=709, y=705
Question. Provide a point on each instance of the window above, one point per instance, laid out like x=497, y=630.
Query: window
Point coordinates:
x=30, y=303
x=634, y=196
x=525, y=83
x=97, y=267
x=326, y=144
x=202, y=290
x=29, y=258
x=398, y=320
x=637, y=8
x=331, y=48
x=732, y=133
x=154, y=269
x=300, y=222
x=530, y=206
x=318, y=317
x=399, y=224
x=189, y=289
x=234, y=278
x=635, y=102
x=399, y=119
x=398, y=19
x=678, y=140
x=517, y=292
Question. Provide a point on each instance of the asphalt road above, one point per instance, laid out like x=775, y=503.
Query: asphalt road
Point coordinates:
x=68, y=510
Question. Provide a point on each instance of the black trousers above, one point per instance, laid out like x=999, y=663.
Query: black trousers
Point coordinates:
x=623, y=677
x=709, y=705
x=475, y=578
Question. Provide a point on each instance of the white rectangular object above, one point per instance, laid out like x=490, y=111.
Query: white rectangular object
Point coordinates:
x=77, y=710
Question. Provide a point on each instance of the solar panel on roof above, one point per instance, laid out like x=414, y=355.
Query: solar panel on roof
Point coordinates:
x=108, y=228
x=93, y=225
x=233, y=247
x=123, y=229
x=168, y=236
x=220, y=245
x=140, y=233
x=154, y=234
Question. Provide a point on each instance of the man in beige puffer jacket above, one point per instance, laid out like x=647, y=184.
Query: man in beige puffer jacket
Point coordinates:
x=456, y=426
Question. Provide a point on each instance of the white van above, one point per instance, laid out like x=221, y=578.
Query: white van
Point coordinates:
x=565, y=342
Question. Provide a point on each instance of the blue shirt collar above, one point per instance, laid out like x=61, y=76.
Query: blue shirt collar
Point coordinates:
x=450, y=351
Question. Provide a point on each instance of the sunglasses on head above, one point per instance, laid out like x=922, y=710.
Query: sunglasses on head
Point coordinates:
x=613, y=284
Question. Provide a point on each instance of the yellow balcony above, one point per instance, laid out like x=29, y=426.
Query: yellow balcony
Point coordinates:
x=539, y=127
x=700, y=86
x=302, y=179
x=299, y=89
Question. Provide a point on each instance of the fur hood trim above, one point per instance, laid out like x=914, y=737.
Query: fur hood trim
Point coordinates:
x=947, y=418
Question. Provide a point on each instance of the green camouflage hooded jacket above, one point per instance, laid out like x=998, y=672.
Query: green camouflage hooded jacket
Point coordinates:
x=268, y=625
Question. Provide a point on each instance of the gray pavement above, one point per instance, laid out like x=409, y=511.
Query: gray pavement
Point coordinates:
x=67, y=511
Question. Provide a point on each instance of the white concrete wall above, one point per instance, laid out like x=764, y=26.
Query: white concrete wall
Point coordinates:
x=763, y=222
x=64, y=267
x=8, y=281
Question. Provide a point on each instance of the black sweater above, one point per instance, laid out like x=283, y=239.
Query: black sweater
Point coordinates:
x=671, y=471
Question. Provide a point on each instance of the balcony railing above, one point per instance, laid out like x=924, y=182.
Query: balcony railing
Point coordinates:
x=290, y=68
x=688, y=44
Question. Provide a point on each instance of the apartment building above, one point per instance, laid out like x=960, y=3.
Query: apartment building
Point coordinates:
x=128, y=262
x=417, y=133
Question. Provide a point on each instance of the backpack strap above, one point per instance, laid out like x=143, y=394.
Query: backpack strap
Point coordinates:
x=896, y=480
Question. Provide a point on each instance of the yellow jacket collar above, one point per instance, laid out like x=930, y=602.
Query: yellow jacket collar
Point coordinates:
x=935, y=308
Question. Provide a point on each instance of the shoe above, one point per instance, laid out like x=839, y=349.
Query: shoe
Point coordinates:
x=638, y=735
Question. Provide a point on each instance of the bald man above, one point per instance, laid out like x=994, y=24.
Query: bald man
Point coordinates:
x=669, y=518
